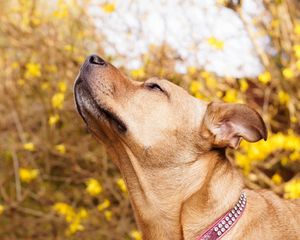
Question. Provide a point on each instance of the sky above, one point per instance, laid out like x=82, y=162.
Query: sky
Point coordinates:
x=187, y=26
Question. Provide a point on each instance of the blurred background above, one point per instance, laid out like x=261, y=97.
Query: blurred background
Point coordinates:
x=56, y=181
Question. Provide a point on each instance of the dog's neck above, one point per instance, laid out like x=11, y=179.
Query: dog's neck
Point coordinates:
x=181, y=201
x=220, y=191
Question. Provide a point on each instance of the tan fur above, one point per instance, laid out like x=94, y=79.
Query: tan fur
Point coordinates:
x=170, y=149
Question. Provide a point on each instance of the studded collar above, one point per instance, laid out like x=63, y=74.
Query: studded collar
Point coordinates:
x=222, y=226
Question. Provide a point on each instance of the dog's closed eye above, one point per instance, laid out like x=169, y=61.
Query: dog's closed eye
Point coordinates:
x=154, y=86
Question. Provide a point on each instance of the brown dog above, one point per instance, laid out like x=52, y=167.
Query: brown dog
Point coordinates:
x=170, y=149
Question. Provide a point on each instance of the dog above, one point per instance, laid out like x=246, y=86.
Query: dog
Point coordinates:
x=170, y=149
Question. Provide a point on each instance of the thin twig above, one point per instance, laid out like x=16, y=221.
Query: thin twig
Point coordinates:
x=263, y=177
x=33, y=212
x=261, y=53
x=17, y=176
x=18, y=126
x=266, y=106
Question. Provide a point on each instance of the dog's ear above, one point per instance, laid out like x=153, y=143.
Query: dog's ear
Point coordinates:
x=229, y=123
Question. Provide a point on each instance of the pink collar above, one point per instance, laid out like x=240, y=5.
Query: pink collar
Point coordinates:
x=222, y=226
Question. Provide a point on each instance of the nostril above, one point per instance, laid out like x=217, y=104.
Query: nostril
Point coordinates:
x=94, y=59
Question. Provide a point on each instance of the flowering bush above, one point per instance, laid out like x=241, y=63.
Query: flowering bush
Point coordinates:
x=56, y=181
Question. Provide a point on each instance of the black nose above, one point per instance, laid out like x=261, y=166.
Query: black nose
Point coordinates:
x=94, y=59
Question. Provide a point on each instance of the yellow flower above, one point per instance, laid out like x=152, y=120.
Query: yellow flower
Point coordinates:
x=28, y=175
x=53, y=119
x=295, y=156
x=69, y=212
x=105, y=204
x=265, y=77
x=121, y=184
x=277, y=179
x=283, y=97
x=93, y=187
x=215, y=43
x=253, y=152
x=33, y=70
x=243, y=161
x=201, y=96
x=195, y=86
x=136, y=235
x=61, y=148
x=21, y=82
x=297, y=50
x=108, y=215
x=29, y=146
x=74, y=227
x=205, y=74
x=192, y=70
x=211, y=82
x=62, y=11
x=294, y=119
x=109, y=7
x=51, y=68
x=45, y=86
x=138, y=73
x=222, y=2
x=284, y=161
x=79, y=59
x=35, y=21
x=58, y=100
x=288, y=73
x=71, y=216
x=82, y=213
x=63, y=209
x=292, y=189
x=297, y=29
x=275, y=23
x=298, y=65
x=2, y=208
x=244, y=85
x=230, y=96
x=68, y=48
x=15, y=65
x=62, y=86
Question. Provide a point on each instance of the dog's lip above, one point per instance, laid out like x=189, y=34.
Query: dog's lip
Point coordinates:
x=78, y=99
x=103, y=113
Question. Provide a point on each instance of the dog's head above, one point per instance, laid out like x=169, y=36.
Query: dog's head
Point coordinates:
x=157, y=120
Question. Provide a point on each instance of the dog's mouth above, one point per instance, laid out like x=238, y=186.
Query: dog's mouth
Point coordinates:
x=87, y=106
